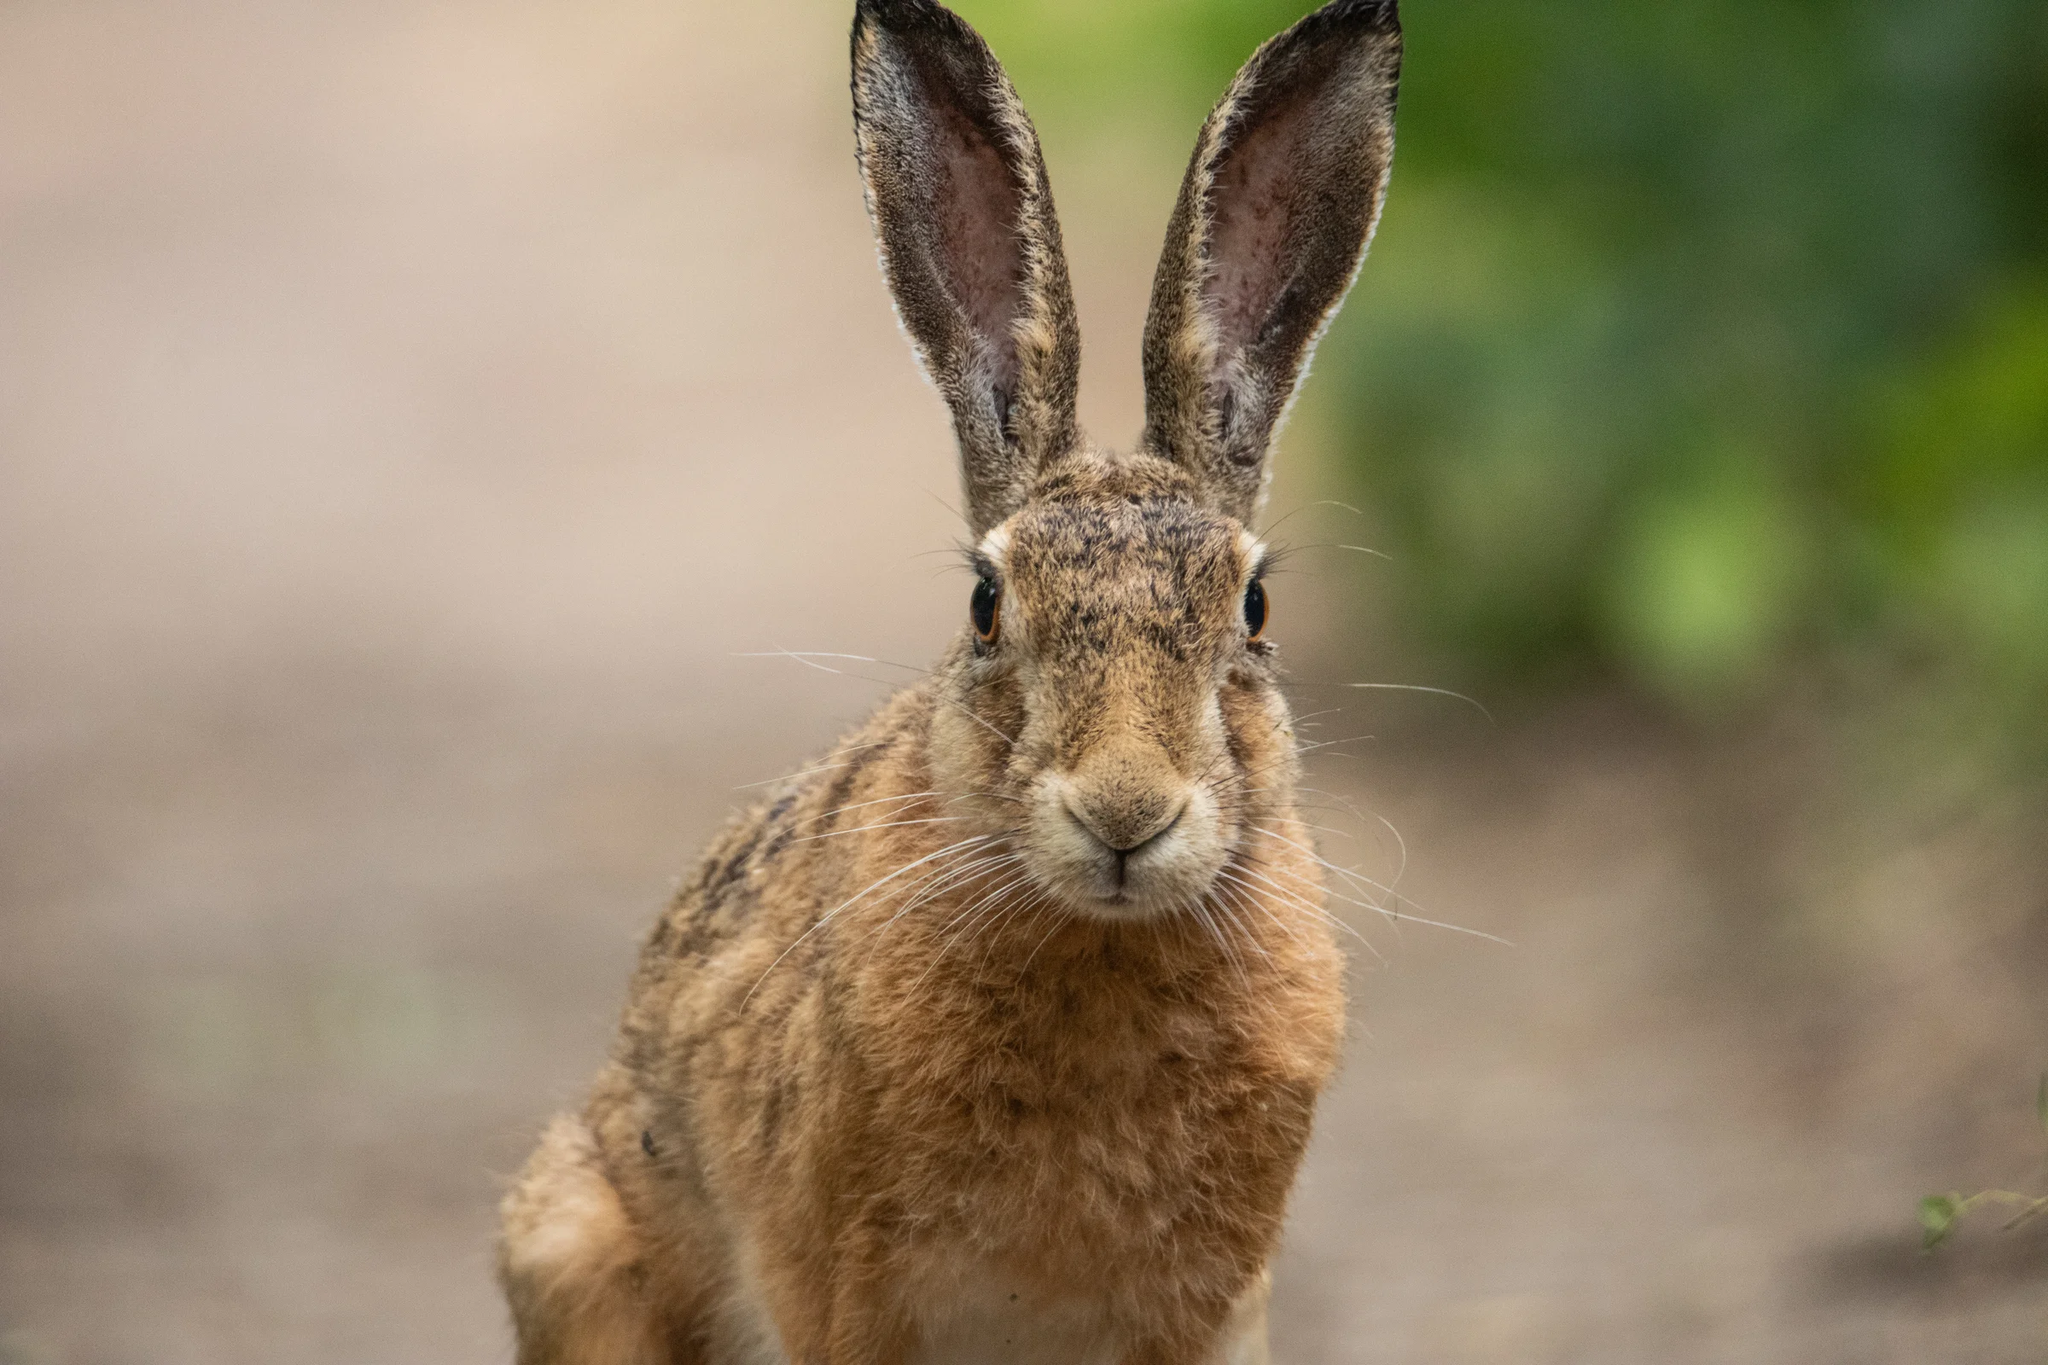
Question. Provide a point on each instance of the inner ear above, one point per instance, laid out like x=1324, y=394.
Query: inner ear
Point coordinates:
x=1252, y=205
x=979, y=207
x=1288, y=204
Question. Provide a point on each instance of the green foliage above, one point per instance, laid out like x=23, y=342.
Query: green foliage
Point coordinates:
x=1155, y=65
x=1698, y=337
x=1938, y=1214
x=1941, y=1213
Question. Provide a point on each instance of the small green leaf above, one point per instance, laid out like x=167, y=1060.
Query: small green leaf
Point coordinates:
x=1938, y=1219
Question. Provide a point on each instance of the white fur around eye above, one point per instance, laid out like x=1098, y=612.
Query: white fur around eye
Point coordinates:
x=1253, y=549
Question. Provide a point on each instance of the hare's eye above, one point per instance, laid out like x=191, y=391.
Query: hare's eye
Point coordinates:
x=986, y=608
x=1255, y=611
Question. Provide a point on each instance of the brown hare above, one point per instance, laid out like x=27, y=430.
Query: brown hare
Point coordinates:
x=996, y=1035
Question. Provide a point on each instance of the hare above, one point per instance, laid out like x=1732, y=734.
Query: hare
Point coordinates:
x=997, y=1034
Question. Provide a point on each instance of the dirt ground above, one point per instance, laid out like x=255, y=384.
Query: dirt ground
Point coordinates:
x=412, y=415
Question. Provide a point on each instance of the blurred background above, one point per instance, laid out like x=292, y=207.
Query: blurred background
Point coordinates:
x=414, y=412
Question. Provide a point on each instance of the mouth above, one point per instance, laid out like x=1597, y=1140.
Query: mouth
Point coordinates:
x=1172, y=867
x=1117, y=863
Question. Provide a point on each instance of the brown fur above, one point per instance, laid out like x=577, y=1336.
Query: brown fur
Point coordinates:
x=998, y=1033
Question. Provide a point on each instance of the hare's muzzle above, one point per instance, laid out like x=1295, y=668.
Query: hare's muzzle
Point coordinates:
x=1124, y=834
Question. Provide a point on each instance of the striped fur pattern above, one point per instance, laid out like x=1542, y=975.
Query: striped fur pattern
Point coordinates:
x=996, y=1034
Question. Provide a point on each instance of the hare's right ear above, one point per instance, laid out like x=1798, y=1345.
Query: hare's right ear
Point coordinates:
x=1273, y=221
x=958, y=193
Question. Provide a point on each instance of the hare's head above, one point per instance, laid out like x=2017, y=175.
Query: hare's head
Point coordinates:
x=1111, y=701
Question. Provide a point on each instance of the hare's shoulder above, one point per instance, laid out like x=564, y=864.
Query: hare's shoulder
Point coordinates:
x=772, y=870
x=777, y=853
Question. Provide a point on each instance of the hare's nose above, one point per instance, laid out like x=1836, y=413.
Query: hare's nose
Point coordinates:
x=1124, y=827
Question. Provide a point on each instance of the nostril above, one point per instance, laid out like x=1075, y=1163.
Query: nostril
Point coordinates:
x=1088, y=826
x=1125, y=832
x=1165, y=828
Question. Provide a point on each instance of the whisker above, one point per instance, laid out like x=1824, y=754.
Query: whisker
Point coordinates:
x=791, y=777
x=927, y=887
x=1405, y=918
x=991, y=904
x=955, y=876
x=859, y=805
x=1253, y=896
x=1274, y=529
x=1399, y=842
x=923, y=889
x=1312, y=746
x=978, y=720
x=810, y=772
x=1249, y=866
x=1201, y=910
x=1416, y=687
x=1359, y=882
x=809, y=658
x=962, y=922
x=1059, y=921
x=1229, y=896
x=1357, y=879
x=1346, y=803
x=829, y=915
x=1399, y=915
x=1258, y=902
x=867, y=829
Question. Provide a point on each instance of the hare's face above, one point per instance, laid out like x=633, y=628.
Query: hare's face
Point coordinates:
x=1124, y=658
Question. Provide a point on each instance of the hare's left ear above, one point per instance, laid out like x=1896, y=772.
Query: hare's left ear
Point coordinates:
x=1273, y=222
x=957, y=189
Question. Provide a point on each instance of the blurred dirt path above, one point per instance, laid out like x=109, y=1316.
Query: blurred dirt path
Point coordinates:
x=410, y=411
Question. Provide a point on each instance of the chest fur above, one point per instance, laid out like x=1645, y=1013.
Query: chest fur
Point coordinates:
x=972, y=1315
x=1095, y=1127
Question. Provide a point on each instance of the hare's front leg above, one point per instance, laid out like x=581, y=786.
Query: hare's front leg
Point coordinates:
x=1225, y=1334
x=865, y=1333
x=1244, y=1339
x=574, y=1269
x=845, y=1316
x=569, y=1260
